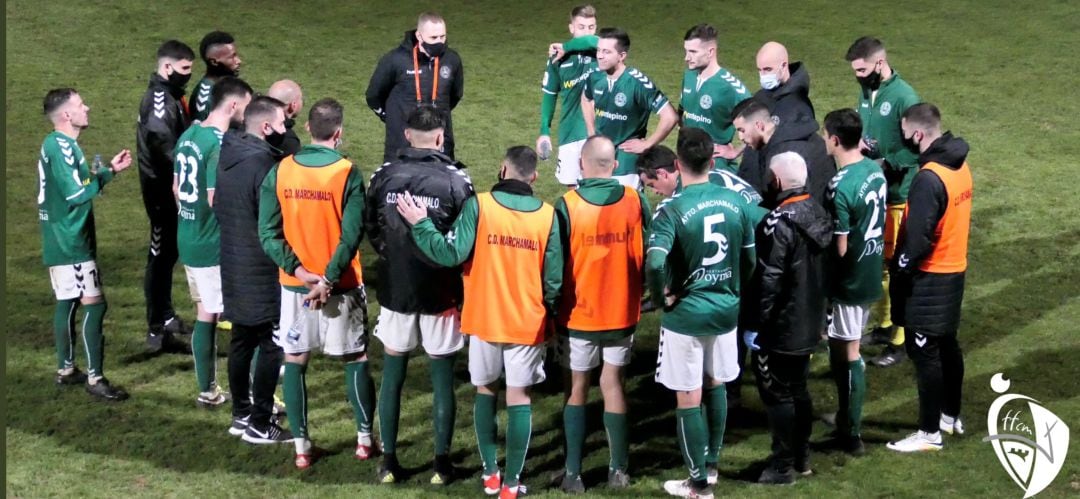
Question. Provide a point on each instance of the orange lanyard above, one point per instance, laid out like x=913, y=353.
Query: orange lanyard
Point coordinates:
x=416, y=76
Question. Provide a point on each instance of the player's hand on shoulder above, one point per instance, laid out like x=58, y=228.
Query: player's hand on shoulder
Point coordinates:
x=556, y=50
x=410, y=210
x=634, y=146
x=726, y=151
x=121, y=161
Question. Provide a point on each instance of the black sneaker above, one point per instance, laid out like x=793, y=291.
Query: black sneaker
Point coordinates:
x=155, y=340
x=272, y=434
x=239, y=426
x=75, y=377
x=893, y=355
x=443, y=471
x=389, y=471
x=617, y=479
x=572, y=484
x=104, y=391
x=881, y=336
x=175, y=325
x=774, y=476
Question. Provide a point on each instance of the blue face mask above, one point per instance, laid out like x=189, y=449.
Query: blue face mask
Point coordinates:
x=770, y=81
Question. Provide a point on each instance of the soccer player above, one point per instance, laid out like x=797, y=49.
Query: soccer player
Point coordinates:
x=249, y=279
x=565, y=77
x=789, y=284
x=418, y=300
x=197, y=233
x=420, y=71
x=66, y=189
x=617, y=101
x=709, y=94
x=218, y=51
x=162, y=119
x=509, y=242
x=311, y=221
x=702, y=243
x=288, y=92
x=856, y=201
x=928, y=273
x=602, y=225
x=883, y=99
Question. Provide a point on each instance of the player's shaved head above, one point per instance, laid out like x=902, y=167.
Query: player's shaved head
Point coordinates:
x=262, y=110
x=424, y=128
x=923, y=116
x=429, y=18
x=289, y=92
x=598, y=157
x=519, y=163
x=788, y=168
x=772, y=51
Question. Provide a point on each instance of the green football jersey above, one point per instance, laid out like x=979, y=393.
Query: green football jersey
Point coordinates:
x=707, y=104
x=880, y=114
x=702, y=234
x=856, y=200
x=200, y=102
x=566, y=78
x=197, y=235
x=66, y=189
x=736, y=184
x=623, y=108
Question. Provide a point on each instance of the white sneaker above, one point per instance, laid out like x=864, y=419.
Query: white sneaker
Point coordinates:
x=951, y=425
x=919, y=441
x=713, y=476
x=213, y=398
x=682, y=488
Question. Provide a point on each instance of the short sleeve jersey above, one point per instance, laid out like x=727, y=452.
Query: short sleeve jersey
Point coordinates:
x=856, y=199
x=566, y=78
x=623, y=108
x=195, y=169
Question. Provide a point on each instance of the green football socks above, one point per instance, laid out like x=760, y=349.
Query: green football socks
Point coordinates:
x=64, y=333
x=693, y=438
x=360, y=390
x=486, y=429
x=716, y=414
x=444, y=404
x=202, y=350
x=94, y=339
x=618, y=444
x=394, y=369
x=294, y=388
x=518, y=433
x=574, y=431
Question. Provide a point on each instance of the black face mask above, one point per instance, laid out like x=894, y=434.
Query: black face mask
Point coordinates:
x=911, y=145
x=871, y=81
x=276, y=139
x=236, y=124
x=289, y=123
x=178, y=80
x=434, y=49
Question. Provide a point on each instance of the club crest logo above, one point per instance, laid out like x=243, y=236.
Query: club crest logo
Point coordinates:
x=1029, y=440
x=444, y=72
x=586, y=59
x=620, y=99
x=886, y=108
x=705, y=102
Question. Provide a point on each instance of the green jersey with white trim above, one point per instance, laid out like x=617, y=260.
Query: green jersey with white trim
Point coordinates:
x=700, y=242
x=66, y=189
x=195, y=169
x=856, y=199
x=565, y=78
x=734, y=183
x=622, y=110
x=200, y=101
x=707, y=104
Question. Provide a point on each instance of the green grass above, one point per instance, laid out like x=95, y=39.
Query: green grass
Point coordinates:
x=992, y=67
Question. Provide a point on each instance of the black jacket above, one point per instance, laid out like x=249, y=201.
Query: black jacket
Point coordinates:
x=407, y=281
x=793, y=136
x=291, y=145
x=391, y=93
x=791, y=100
x=927, y=302
x=249, y=279
x=162, y=119
x=792, y=248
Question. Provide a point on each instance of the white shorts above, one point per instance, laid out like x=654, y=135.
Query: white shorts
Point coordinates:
x=338, y=328
x=568, y=167
x=439, y=334
x=848, y=321
x=204, y=283
x=523, y=364
x=70, y=282
x=632, y=180
x=685, y=361
x=580, y=354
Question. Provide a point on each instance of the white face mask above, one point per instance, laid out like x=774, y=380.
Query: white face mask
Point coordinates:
x=770, y=81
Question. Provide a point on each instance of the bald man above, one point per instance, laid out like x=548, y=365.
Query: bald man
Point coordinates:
x=602, y=226
x=289, y=93
x=790, y=283
x=422, y=71
x=785, y=87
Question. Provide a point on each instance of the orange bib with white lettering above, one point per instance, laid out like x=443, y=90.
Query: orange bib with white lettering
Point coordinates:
x=949, y=254
x=311, y=201
x=602, y=290
x=504, y=293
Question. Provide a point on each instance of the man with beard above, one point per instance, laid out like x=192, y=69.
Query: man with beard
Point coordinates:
x=289, y=93
x=199, y=244
x=162, y=119
x=421, y=71
x=218, y=51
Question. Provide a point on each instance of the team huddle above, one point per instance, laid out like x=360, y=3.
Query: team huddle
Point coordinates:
x=795, y=237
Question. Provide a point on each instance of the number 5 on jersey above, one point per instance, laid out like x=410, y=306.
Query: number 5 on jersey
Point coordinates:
x=715, y=237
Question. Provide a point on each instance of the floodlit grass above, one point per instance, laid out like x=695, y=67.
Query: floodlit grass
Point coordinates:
x=996, y=69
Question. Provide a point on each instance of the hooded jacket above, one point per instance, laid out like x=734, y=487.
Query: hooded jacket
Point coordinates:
x=790, y=278
x=249, y=278
x=162, y=119
x=791, y=136
x=408, y=282
x=791, y=100
x=928, y=303
x=391, y=93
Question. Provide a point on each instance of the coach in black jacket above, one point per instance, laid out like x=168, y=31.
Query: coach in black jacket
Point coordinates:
x=769, y=135
x=162, y=119
x=419, y=300
x=249, y=279
x=421, y=71
x=790, y=279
